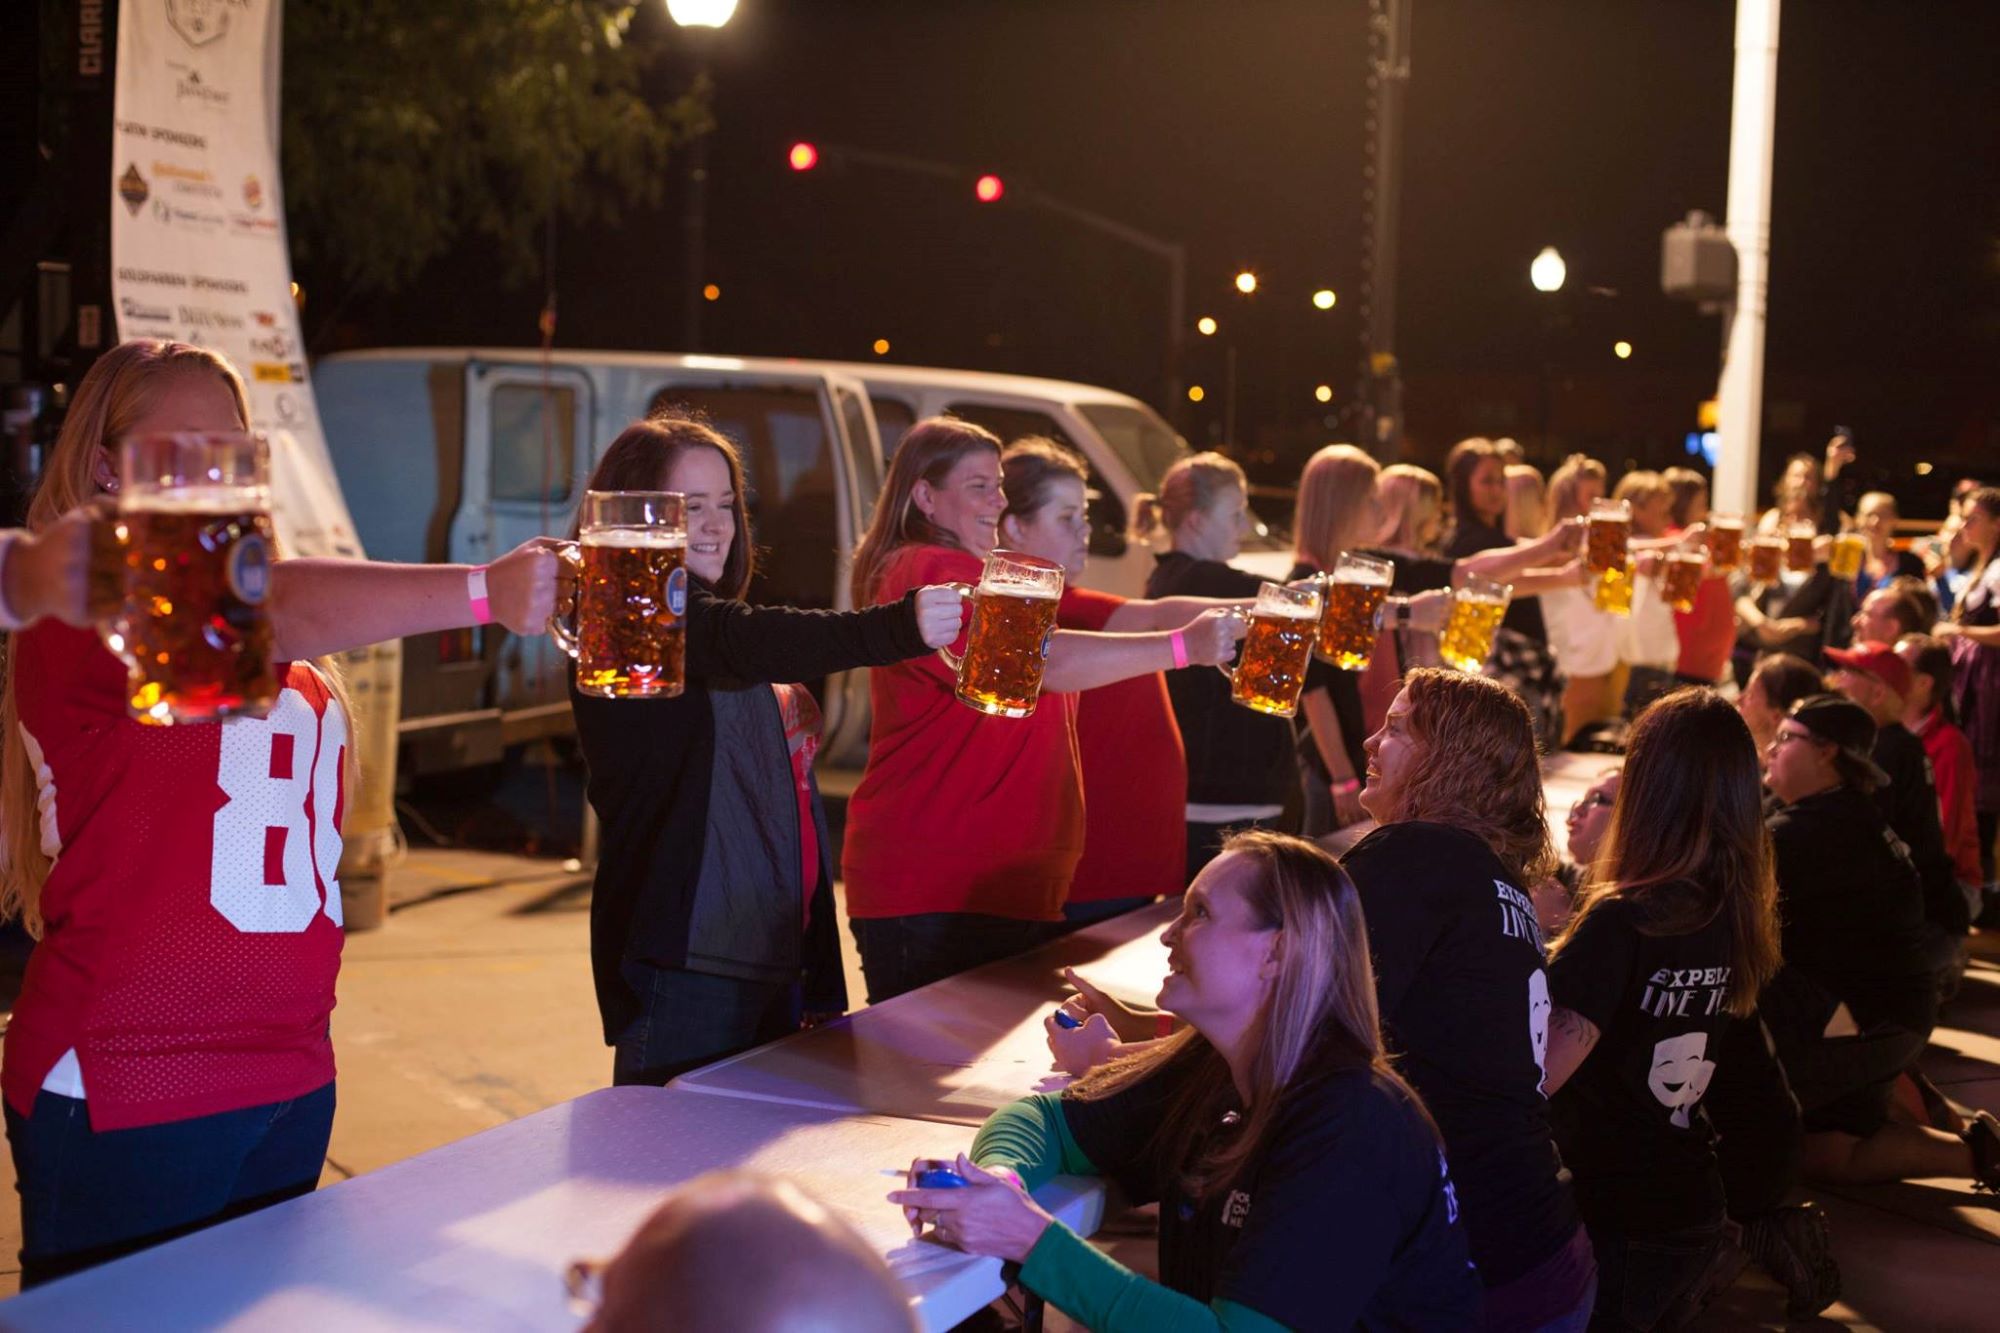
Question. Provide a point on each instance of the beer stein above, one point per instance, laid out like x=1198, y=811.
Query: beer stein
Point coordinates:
x=1725, y=540
x=1354, y=594
x=186, y=564
x=1799, y=555
x=1767, y=557
x=1609, y=531
x=624, y=619
x=1476, y=612
x=1612, y=590
x=1013, y=615
x=1849, y=550
x=1277, y=648
x=1680, y=579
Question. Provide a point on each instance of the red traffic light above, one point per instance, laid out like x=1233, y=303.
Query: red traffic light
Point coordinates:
x=803, y=157
x=989, y=188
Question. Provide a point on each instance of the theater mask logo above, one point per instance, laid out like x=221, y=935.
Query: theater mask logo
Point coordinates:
x=1538, y=1020
x=199, y=22
x=1680, y=1074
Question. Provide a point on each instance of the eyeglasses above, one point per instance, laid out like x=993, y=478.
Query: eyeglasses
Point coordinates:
x=1784, y=736
x=583, y=1281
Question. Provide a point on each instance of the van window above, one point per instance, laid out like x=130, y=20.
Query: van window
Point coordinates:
x=1146, y=444
x=1011, y=423
x=534, y=442
x=788, y=461
x=893, y=417
x=1107, y=512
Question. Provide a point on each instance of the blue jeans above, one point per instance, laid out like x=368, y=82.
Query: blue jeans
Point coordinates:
x=1642, y=1280
x=688, y=1019
x=89, y=1196
x=901, y=953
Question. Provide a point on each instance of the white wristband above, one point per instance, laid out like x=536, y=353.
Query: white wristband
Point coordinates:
x=475, y=592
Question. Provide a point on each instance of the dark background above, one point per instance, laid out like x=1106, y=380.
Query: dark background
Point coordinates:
x=1237, y=127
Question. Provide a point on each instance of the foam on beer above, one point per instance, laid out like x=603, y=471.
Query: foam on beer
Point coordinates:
x=659, y=539
x=1004, y=587
x=1287, y=610
x=217, y=499
x=1367, y=578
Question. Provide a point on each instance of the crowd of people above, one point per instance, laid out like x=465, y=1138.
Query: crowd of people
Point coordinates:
x=1442, y=1078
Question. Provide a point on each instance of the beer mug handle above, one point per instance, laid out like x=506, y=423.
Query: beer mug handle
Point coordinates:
x=569, y=591
x=965, y=592
x=104, y=585
x=1229, y=672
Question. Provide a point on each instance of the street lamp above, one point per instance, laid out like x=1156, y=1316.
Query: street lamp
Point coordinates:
x=1548, y=270
x=1324, y=298
x=703, y=14
x=1206, y=326
x=1246, y=282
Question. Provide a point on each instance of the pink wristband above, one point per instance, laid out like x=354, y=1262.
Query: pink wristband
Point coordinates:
x=1180, y=650
x=475, y=591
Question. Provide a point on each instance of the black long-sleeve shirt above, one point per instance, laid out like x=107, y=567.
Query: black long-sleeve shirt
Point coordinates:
x=650, y=762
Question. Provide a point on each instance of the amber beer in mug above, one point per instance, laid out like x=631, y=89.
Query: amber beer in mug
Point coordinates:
x=1849, y=550
x=1799, y=548
x=1681, y=579
x=1608, y=534
x=185, y=566
x=1013, y=615
x=1767, y=558
x=1476, y=612
x=1613, y=589
x=1354, y=593
x=1725, y=540
x=629, y=604
x=1277, y=648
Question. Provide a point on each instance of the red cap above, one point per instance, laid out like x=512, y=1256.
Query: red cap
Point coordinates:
x=1878, y=660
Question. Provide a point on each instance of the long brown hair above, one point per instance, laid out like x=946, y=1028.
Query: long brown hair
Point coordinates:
x=1478, y=769
x=1687, y=840
x=1029, y=467
x=645, y=451
x=1191, y=485
x=114, y=394
x=1459, y=465
x=1336, y=508
x=1986, y=498
x=1321, y=1014
x=928, y=452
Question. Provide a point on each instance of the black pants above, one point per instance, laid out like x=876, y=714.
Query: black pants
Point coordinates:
x=901, y=953
x=1759, y=1137
x=689, y=1019
x=1646, y=1281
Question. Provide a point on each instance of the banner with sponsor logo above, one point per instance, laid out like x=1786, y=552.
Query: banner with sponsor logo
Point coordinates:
x=198, y=253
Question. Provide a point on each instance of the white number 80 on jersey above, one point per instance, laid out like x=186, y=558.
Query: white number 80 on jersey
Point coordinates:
x=276, y=840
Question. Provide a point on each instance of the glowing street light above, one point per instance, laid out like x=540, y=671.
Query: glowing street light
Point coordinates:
x=1323, y=299
x=989, y=188
x=881, y=347
x=1548, y=270
x=711, y=293
x=1196, y=393
x=1622, y=350
x=803, y=157
x=1206, y=326
x=1246, y=282
x=701, y=13
x=1324, y=393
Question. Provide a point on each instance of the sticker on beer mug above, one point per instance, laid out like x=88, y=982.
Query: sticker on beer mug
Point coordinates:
x=677, y=591
x=249, y=568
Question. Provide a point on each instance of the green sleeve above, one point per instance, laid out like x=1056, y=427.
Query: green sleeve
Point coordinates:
x=1031, y=1138
x=1102, y=1294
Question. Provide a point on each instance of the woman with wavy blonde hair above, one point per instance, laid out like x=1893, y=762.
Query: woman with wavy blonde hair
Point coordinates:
x=169, y=1063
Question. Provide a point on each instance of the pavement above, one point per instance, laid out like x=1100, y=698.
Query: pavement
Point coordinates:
x=472, y=1006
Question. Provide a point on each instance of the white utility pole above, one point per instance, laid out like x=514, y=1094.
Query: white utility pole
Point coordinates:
x=1753, y=114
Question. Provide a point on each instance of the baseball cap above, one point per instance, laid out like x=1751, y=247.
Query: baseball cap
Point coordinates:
x=1877, y=659
x=1842, y=723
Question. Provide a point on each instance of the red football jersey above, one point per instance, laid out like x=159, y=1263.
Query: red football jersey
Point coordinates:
x=192, y=917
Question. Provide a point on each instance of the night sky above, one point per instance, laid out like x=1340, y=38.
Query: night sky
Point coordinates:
x=1237, y=128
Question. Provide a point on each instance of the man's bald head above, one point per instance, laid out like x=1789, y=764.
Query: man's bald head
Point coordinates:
x=747, y=1253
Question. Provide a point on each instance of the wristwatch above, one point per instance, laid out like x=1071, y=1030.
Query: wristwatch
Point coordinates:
x=1403, y=613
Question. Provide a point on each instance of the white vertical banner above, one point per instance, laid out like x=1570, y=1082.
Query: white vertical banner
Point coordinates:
x=198, y=248
x=198, y=253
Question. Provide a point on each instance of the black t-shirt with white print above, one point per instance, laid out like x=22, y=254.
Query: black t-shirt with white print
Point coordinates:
x=1465, y=1009
x=1629, y=1120
x=1344, y=1220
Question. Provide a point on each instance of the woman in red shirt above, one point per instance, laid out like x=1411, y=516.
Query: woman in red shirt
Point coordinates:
x=1134, y=831
x=1929, y=713
x=169, y=1064
x=965, y=829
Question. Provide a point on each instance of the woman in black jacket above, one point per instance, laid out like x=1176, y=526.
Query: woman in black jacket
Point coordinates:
x=712, y=918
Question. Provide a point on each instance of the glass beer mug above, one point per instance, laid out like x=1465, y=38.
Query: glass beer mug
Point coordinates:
x=1799, y=555
x=1681, y=579
x=1849, y=550
x=1767, y=558
x=1609, y=531
x=1277, y=648
x=1476, y=612
x=1613, y=588
x=1725, y=540
x=629, y=602
x=1354, y=595
x=186, y=564
x=1013, y=615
